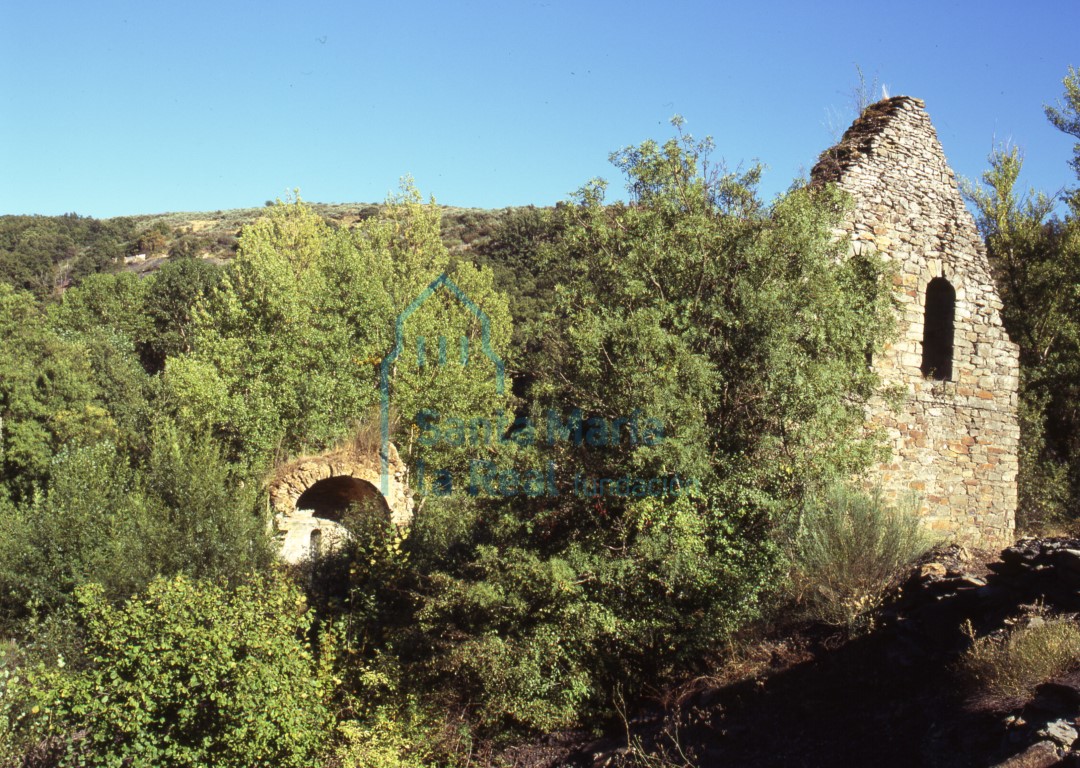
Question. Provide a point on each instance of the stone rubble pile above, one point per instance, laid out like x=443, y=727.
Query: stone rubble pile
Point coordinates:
x=1033, y=576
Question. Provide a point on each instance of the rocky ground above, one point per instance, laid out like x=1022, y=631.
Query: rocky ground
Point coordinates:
x=889, y=698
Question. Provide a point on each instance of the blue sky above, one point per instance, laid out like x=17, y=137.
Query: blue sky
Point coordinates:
x=114, y=108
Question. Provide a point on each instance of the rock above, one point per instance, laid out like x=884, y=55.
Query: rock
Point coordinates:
x=605, y=757
x=1043, y=754
x=953, y=584
x=1058, y=698
x=932, y=570
x=1022, y=551
x=1066, y=688
x=1069, y=558
x=1061, y=731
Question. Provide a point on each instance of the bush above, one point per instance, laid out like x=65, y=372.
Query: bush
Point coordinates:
x=183, y=511
x=188, y=674
x=387, y=738
x=528, y=633
x=1042, y=484
x=86, y=527
x=8, y=663
x=1002, y=669
x=849, y=549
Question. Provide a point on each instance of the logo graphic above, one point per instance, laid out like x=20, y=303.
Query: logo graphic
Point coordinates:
x=569, y=433
x=442, y=281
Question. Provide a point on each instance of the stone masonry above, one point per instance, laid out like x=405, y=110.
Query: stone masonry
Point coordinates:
x=955, y=435
x=348, y=474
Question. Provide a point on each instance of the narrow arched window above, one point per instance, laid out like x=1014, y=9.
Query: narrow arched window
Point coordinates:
x=937, y=348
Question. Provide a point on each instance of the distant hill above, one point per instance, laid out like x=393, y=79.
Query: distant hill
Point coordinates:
x=46, y=254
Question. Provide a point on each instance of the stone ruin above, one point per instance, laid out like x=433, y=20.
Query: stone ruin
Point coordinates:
x=310, y=496
x=955, y=436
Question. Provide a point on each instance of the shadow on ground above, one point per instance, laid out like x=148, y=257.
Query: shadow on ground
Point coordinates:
x=888, y=699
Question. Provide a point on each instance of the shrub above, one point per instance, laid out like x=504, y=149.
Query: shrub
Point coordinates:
x=188, y=674
x=8, y=657
x=102, y=521
x=533, y=637
x=849, y=548
x=1007, y=668
x=85, y=528
x=513, y=640
x=387, y=738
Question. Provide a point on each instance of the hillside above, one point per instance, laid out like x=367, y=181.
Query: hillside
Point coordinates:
x=45, y=254
x=461, y=226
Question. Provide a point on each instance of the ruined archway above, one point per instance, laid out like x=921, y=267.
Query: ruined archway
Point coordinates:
x=310, y=496
x=331, y=499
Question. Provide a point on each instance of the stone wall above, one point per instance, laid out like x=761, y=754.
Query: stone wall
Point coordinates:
x=954, y=438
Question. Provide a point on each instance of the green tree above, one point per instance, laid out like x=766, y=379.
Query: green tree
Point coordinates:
x=171, y=295
x=514, y=254
x=278, y=349
x=85, y=528
x=187, y=674
x=1035, y=259
x=285, y=351
x=105, y=317
x=47, y=394
x=1066, y=118
x=742, y=329
x=154, y=240
x=104, y=521
x=116, y=301
x=39, y=253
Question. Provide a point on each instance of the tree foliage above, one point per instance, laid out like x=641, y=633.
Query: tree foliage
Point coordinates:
x=1066, y=118
x=103, y=521
x=186, y=674
x=1035, y=258
x=47, y=394
x=43, y=253
x=735, y=330
x=741, y=329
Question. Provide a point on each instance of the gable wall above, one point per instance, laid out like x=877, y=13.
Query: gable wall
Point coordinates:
x=954, y=442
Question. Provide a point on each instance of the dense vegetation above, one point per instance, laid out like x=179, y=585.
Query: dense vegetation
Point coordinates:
x=705, y=340
x=1035, y=258
x=48, y=254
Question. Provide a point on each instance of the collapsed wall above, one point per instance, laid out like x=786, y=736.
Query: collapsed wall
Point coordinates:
x=955, y=436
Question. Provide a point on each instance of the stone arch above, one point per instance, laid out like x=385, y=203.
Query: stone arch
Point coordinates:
x=331, y=498
x=308, y=496
x=939, y=330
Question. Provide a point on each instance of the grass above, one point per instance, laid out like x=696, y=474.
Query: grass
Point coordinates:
x=1001, y=670
x=850, y=548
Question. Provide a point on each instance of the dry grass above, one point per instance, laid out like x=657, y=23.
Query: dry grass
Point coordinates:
x=850, y=548
x=364, y=441
x=1003, y=670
